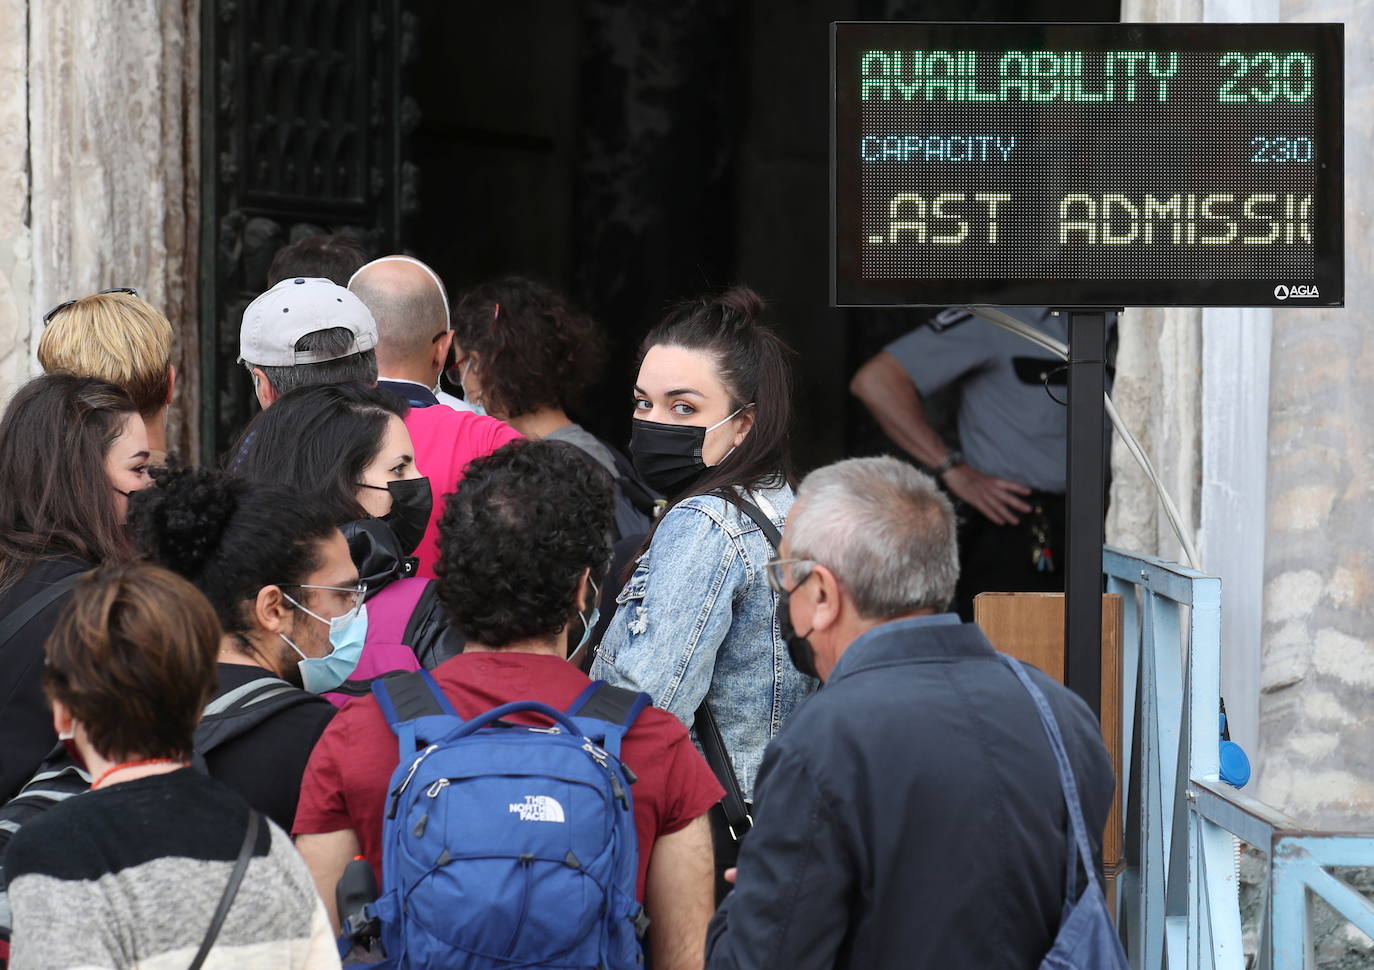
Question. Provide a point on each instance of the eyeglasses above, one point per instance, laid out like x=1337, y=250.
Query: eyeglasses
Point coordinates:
x=773, y=569
x=356, y=594
x=47, y=317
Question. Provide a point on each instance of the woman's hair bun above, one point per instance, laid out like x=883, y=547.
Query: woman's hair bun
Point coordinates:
x=742, y=301
x=180, y=521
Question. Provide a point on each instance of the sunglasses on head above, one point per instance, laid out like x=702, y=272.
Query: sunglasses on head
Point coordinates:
x=47, y=317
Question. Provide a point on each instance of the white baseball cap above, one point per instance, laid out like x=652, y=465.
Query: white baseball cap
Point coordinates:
x=276, y=320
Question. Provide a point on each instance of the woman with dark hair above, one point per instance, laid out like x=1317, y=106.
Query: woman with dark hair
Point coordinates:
x=72, y=449
x=341, y=445
x=526, y=356
x=695, y=625
x=345, y=448
x=133, y=872
x=280, y=579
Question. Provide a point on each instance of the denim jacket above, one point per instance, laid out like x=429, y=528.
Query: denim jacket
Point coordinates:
x=696, y=620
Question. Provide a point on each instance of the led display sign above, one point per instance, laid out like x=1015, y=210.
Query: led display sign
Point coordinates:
x=1087, y=164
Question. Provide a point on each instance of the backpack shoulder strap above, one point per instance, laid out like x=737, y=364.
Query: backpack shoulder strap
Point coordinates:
x=404, y=698
x=412, y=694
x=238, y=711
x=247, y=695
x=617, y=707
x=35, y=604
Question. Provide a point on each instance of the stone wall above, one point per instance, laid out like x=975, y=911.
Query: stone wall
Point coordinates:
x=99, y=176
x=1318, y=671
x=1314, y=746
x=16, y=261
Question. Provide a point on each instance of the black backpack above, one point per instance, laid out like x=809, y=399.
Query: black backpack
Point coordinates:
x=236, y=712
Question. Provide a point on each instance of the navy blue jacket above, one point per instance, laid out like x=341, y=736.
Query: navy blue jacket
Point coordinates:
x=909, y=816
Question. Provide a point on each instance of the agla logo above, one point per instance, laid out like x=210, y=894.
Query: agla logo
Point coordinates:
x=1296, y=292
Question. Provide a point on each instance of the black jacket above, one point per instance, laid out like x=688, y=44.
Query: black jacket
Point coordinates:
x=380, y=561
x=26, y=734
x=910, y=817
x=265, y=764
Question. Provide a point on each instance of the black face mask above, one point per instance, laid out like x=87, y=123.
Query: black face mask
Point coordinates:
x=667, y=456
x=799, y=649
x=412, y=501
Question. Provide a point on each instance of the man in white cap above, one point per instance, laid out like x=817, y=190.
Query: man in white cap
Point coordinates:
x=307, y=332
x=410, y=305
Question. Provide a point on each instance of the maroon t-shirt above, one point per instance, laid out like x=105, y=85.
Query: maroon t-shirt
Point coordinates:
x=345, y=784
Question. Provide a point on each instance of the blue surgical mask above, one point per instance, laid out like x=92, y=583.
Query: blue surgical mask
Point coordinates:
x=589, y=621
x=473, y=403
x=347, y=634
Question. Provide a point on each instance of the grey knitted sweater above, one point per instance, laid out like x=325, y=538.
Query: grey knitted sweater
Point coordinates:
x=130, y=876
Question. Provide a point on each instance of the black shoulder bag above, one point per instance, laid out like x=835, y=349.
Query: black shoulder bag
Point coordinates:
x=250, y=840
x=35, y=604
x=731, y=814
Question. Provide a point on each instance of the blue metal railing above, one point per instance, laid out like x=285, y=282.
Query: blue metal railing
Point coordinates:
x=1178, y=904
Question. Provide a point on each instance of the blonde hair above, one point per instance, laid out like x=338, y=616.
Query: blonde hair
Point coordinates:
x=114, y=336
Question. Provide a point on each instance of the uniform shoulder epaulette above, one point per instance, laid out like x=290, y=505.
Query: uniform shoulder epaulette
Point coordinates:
x=948, y=318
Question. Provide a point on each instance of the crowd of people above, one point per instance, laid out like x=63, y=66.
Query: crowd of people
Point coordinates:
x=447, y=681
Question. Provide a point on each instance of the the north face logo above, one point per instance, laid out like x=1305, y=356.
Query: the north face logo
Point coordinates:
x=538, y=808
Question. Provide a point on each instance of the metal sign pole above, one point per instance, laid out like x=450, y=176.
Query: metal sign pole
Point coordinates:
x=1085, y=505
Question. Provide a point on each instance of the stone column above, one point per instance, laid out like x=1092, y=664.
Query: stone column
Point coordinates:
x=1317, y=736
x=1315, y=751
x=16, y=263
x=113, y=123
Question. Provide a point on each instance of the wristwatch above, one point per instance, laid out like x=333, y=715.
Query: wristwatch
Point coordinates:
x=953, y=457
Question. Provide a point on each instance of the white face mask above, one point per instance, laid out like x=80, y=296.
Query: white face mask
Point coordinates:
x=475, y=404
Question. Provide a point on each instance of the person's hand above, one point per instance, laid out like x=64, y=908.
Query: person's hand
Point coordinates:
x=997, y=498
x=731, y=875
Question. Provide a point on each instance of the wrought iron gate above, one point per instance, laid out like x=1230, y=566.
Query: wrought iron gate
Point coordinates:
x=302, y=126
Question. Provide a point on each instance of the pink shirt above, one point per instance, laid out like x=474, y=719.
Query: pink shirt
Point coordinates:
x=445, y=441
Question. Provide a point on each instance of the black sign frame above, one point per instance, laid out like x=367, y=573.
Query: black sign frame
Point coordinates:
x=848, y=288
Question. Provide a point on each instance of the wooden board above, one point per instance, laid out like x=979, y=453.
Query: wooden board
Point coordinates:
x=1030, y=627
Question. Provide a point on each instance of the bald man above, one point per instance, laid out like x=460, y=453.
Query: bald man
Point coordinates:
x=410, y=305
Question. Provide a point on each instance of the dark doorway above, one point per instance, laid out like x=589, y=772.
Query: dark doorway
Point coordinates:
x=633, y=154
x=627, y=152
x=591, y=146
x=301, y=132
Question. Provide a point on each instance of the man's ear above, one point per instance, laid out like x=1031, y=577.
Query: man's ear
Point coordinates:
x=439, y=355
x=171, y=383
x=267, y=394
x=271, y=610
x=827, y=599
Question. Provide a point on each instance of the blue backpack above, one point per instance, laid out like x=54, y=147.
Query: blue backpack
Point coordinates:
x=506, y=845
